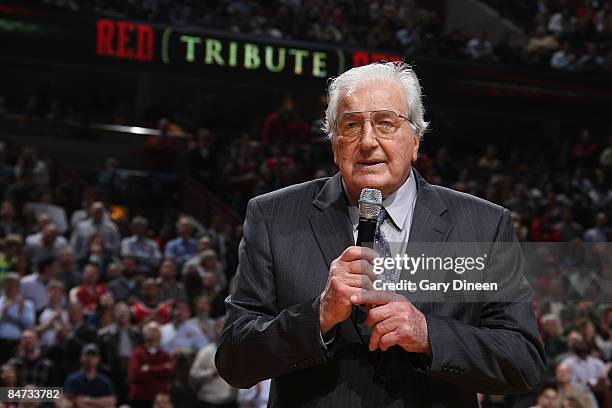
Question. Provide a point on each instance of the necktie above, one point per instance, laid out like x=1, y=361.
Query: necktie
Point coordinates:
x=381, y=245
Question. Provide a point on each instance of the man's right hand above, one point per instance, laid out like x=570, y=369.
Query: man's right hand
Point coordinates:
x=350, y=273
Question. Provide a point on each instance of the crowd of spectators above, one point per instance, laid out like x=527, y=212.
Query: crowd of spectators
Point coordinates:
x=103, y=307
x=570, y=35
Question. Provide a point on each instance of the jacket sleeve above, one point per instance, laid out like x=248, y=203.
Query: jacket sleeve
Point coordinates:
x=504, y=354
x=258, y=340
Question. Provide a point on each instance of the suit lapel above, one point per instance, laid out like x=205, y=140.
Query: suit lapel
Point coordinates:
x=330, y=221
x=429, y=229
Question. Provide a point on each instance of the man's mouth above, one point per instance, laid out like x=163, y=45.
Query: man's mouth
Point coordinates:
x=365, y=163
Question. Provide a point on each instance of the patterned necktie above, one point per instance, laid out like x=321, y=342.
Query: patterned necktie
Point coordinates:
x=381, y=245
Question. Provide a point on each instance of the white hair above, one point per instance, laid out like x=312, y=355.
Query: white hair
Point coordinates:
x=397, y=71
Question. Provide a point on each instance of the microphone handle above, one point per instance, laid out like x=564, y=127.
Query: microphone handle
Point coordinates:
x=365, y=233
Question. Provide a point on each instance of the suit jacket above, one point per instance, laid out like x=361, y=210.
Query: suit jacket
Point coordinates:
x=272, y=327
x=108, y=340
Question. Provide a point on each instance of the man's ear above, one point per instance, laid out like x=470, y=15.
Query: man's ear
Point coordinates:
x=415, y=148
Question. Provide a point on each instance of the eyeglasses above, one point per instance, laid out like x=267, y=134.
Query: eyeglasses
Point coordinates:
x=385, y=123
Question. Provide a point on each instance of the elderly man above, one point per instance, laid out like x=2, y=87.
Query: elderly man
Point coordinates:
x=139, y=246
x=97, y=225
x=45, y=244
x=293, y=314
x=184, y=246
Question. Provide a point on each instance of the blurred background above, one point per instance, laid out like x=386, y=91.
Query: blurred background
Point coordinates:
x=133, y=133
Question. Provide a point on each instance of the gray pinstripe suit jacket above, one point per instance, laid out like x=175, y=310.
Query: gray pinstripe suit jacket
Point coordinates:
x=272, y=329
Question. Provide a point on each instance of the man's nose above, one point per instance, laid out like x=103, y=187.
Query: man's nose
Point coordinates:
x=368, y=137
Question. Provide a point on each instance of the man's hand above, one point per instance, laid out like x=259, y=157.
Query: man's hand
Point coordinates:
x=349, y=274
x=394, y=322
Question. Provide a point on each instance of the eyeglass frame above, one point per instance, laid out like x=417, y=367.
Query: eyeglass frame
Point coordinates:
x=414, y=128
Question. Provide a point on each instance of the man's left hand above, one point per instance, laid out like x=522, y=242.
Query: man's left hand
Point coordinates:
x=394, y=322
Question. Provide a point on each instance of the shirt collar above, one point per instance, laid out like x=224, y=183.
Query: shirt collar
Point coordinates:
x=398, y=205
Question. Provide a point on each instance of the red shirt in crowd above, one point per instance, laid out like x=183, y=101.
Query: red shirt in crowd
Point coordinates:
x=90, y=299
x=149, y=373
x=161, y=312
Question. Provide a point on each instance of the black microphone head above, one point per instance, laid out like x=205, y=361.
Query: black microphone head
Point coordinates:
x=370, y=203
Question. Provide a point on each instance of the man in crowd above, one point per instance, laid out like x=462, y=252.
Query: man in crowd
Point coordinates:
x=117, y=343
x=88, y=387
x=150, y=370
x=141, y=247
x=96, y=225
x=150, y=308
x=34, y=286
x=184, y=246
x=16, y=315
x=169, y=288
x=32, y=367
x=45, y=244
x=213, y=390
x=181, y=335
x=53, y=316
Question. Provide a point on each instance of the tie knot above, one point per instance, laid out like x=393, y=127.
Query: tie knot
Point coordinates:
x=381, y=216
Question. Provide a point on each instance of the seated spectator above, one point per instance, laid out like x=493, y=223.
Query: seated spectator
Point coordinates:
x=169, y=288
x=181, y=335
x=205, y=242
x=554, y=344
x=184, y=247
x=591, y=60
x=8, y=222
x=565, y=388
x=117, y=343
x=150, y=308
x=163, y=400
x=45, y=244
x=32, y=367
x=151, y=369
x=70, y=340
x=88, y=387
x=206, y=277
x=540, y=45
x=83, y=213
x=8, y=376
x=95, y=225
x=598, y=233
x=34, y=286
x=567, y=227
x=90, y=292
x=480, y=48
x=547, y=397
x=69, y=273
x=98, y=255
x=45, y=205
x=585, y=368
x=125, y=284
x=53, y=315
x=139, y=246
x=29, y=162
x=10, y=254
x=16, y=315
x=202, y=317
x=563, y=59
x=213, y=391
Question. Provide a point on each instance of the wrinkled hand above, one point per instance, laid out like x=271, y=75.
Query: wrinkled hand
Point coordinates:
x=395, y=322
x=349, y=274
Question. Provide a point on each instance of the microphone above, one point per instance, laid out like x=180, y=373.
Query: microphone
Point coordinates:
x=370, y=204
